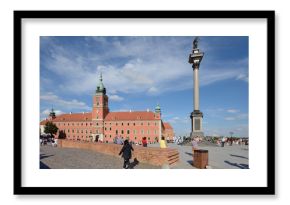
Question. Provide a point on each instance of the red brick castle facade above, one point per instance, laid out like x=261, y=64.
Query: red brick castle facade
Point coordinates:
x=103, y=125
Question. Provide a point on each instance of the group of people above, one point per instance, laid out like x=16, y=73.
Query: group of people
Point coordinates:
x=127, y=149
x=44, y=141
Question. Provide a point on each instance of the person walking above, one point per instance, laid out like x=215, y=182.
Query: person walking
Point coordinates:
x=126, y=153
x=223, y=141
x=144, y=142
x=194, y=144
x=163, y=143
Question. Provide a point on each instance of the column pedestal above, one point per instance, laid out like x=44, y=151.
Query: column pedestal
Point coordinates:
x=196, y=124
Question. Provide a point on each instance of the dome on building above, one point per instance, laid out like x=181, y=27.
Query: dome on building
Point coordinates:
x=100, y=87
x=157, y=108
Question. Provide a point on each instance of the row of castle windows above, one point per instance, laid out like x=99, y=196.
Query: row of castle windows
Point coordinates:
x=122, y=124
x=117, y=131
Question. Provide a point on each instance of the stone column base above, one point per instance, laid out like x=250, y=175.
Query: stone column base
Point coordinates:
x=196, y=124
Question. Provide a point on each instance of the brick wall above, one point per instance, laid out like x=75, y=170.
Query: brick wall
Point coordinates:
x=151, y=155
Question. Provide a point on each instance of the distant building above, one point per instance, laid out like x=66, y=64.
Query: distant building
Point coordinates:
x=103, y=125
x=168, y=131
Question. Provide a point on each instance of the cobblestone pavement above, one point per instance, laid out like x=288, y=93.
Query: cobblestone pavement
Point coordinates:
x=71, y=158
x=228, y=157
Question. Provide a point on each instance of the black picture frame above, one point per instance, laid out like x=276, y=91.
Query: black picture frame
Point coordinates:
x=269, y=16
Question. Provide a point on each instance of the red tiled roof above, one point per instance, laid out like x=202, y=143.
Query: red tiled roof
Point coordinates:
x=167, y=125
x=71, y=117
x=136, y=115
x=43, y=122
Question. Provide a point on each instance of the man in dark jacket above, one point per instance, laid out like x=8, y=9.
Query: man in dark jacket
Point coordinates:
x=126, y=150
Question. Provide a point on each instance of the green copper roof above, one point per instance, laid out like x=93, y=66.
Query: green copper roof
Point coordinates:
x=157, y=108
x=100, y=86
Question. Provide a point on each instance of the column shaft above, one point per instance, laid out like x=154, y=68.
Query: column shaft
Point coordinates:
x=196, y=89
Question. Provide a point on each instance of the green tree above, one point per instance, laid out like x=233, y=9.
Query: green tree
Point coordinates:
x=50, y=128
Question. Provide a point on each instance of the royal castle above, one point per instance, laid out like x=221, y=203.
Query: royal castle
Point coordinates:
x=103, y=125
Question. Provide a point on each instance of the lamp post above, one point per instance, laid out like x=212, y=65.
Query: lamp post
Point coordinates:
x=196, y=116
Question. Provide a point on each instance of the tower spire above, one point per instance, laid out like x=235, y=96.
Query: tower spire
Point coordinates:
x=100, y=87
x=52, y=113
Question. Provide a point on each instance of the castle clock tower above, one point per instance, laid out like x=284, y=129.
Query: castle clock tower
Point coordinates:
x=100, y=110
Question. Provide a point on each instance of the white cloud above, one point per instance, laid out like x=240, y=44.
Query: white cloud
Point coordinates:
x=230, y=118
x=147, y=65
x=115, y=98
x=243, y=77
x=232, y=111
x=56, y=101
x=241, y=116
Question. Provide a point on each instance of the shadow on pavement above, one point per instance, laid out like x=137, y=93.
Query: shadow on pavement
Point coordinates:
x=233, y=155
x=43, y=166
x=190, y=162
x=241, y=166
x=133, y=164
x=190, y=154
x=43, y=156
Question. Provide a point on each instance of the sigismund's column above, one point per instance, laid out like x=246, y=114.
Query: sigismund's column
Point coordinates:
x=196, y=116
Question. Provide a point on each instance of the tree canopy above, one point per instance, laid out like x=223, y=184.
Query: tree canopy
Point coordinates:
x=50, y=128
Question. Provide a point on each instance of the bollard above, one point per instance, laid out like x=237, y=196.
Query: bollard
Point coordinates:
x=200, y=158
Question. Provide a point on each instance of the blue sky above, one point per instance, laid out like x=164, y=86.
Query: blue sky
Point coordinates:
x=140, y=72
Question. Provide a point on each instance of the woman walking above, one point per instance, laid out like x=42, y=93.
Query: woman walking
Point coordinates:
x=127, y=154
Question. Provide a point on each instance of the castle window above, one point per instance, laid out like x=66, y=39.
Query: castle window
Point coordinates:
x=142, y=131
x=73, y=131
x=141, y=123
x=134, y=123
x=68, y=124
x=148, y=131
x=110, y=128
x=68, y=130
x=81, y=124
x=148, y=124
x=128, y=131
x=116, y=124
x=122, y=123
x=128, y=124
x=116, y=132
x=122, y=131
